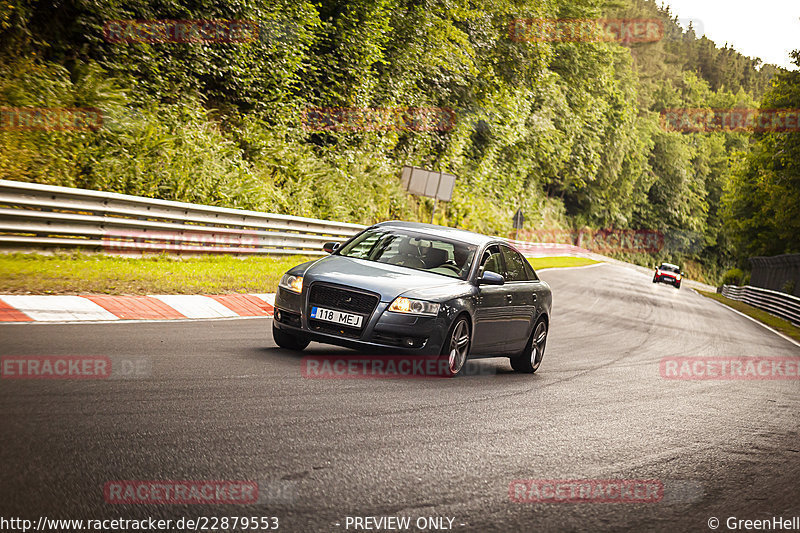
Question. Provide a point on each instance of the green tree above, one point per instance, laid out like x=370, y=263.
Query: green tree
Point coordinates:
x=763, y=198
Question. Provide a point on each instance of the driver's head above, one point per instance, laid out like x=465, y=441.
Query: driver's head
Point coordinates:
x=406, y=248
x=460, y=254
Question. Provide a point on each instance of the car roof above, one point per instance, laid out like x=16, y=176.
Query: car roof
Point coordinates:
x=444, y=232
x=670, y=265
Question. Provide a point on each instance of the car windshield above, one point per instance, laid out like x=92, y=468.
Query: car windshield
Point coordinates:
x=669, y=268
x=412, y=250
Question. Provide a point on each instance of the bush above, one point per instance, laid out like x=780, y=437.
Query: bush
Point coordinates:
x=733, y=276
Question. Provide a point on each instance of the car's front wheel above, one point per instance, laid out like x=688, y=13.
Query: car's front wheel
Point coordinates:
x=287, y=340
x=529, y=360
x=456, y=349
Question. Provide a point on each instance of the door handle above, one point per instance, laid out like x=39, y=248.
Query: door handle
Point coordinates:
x=509, y=298
x=533, y=297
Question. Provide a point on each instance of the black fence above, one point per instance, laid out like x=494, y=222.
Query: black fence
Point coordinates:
x=778, y=273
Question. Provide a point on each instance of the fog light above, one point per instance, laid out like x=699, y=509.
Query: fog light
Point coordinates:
x=278, y=315
x=408, y=341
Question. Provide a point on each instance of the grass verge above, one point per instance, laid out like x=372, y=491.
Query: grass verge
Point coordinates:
x=784, y=326
x=78, y=273
x=560, y=262
x=158, y=274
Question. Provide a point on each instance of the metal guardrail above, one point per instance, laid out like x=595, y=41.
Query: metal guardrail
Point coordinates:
x=34, y=216
x=777, y=303
x=543, y=249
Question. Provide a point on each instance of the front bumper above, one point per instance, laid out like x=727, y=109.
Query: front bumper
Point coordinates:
x=668, y=279
x=383, y=331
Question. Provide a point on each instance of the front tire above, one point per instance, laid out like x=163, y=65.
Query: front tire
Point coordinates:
x=455, y=351
x=288, y=341
x=678, y=285
x=530, y=359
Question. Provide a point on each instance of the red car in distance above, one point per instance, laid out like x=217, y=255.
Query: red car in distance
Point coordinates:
x=668, y=273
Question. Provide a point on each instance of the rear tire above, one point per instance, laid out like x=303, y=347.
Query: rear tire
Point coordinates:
x=288, y=341
x=530, y=359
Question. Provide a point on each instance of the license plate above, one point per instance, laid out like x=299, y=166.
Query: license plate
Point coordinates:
x=337, y=317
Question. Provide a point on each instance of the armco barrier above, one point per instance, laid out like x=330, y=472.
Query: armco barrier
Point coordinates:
x=34, y=216
x=777, y=303
x=544, y=249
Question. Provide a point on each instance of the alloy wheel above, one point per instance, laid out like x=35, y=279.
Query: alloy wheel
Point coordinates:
x=459, y=347
x=538, y=344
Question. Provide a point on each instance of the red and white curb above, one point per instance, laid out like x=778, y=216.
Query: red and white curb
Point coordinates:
x=101, y=308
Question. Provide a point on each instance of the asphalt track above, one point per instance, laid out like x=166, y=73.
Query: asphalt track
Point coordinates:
x=219, y=401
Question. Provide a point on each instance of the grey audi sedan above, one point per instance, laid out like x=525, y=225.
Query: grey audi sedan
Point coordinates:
x=418, y=289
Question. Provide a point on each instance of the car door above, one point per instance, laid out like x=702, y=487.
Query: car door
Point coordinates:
x=521, y=299
x=541, y=291
x=491, y=310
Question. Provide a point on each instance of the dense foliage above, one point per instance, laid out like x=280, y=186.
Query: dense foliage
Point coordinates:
x=763, y=200
x=568, y=131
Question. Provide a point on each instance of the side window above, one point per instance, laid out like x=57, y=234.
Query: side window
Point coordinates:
x=385, y=250
x=515, y=265
x=531, y=272
x=363, y=248
x=491, y=261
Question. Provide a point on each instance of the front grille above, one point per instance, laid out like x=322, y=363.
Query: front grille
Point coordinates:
x=342, y=299
x=334, y=329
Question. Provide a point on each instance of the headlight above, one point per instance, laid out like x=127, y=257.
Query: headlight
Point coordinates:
x=292, y=283
x=679, y=277
x=413, y=307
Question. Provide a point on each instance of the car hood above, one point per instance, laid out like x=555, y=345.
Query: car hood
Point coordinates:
x=389, y=281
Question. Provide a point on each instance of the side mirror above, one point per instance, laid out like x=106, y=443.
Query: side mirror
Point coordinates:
x=491, y=278
x=683, y=273
x=330, y=247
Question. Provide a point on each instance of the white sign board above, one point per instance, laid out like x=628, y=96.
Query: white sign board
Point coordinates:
x=421, y=182
x=405, y=177
x=447, y=182
x=433, y=184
